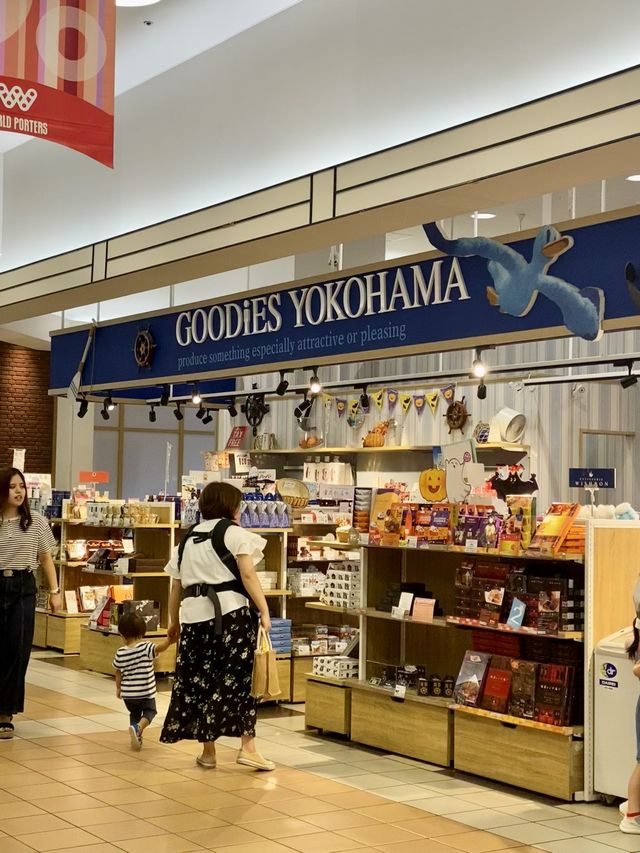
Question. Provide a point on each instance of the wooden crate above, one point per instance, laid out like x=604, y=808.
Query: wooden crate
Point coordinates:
x=328, y=705
x=418, y=727
x=40, y=630
x=97, y=651
x=63, y=631
x=530, y=758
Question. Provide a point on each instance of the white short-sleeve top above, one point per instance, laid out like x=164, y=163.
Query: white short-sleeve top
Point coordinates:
x=201, y=564
x=19, y=549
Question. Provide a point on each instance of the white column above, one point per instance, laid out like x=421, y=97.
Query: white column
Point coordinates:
x=74, y=443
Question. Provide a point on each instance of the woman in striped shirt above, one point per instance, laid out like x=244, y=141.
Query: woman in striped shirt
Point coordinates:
x=25, y=542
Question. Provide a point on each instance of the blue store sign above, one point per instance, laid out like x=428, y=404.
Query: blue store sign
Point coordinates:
x=592, y=478
x=428, y=305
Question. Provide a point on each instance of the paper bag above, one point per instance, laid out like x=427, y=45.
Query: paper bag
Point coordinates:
x=264, y=679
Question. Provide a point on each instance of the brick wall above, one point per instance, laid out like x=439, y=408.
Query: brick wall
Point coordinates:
x=26, y=410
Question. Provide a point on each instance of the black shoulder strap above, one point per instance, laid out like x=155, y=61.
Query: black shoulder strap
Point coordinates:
x=188, y=535
x=216, y=537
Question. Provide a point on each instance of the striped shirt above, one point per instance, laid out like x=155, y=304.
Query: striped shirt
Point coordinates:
x=136, y=665
x=19, y=549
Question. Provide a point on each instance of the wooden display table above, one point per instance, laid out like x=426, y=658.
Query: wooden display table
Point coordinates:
x=328, y=703
x=59, y=631
x=97, y=650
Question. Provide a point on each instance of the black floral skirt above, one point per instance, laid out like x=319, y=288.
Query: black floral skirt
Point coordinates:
x=212, y=687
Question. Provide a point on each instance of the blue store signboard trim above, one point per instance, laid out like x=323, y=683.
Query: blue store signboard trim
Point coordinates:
x=430, y=303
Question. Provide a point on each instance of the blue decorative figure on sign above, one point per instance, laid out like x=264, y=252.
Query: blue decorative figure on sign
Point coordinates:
x=518, y=282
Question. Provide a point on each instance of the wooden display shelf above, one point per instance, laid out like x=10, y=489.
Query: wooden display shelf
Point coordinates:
x=410, y=695
x=328, y=703
x=331, y=608
x=265, y=530
x=318, y=451
x=98, y=648
x=330, y=679
x=372, y=613
x=274, y=593
x=566, y=731
x=500, y=627
x=82, y=522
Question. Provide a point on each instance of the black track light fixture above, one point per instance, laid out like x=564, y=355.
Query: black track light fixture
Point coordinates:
x=478, y=366
x=164, y=397
x=482, y=390
x=281, y=390
x=208, y=417
x=231, y=408
x=83, y=408
x=152, y=413
x=196, y=399
x=104, y=411
x=110, y=405
x=303, y=407
x=364, y=399
x=178, y=413
x=315, y=385
x=629, y=380
x=201, y=412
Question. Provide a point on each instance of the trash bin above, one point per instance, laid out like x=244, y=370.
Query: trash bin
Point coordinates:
x=615, y=691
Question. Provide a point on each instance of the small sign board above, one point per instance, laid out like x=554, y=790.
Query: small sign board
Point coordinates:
x=592, y=478
x=93, y=477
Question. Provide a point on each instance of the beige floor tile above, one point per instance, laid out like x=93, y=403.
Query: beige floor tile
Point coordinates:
x=66, y=839
x=9, y=781
x=56, y=805
x=156, y=808
x=271, y=796
x=212, y=800
x=79, y=773
x=107, y=783
x=300, y=808
x=476, y=842
x=281, y=827
x=99, y=847
x=354, y=799
x=17, y=826
x=382, y=833
x=151, y=778
x=187, y=821
x=41, y=765
x=19, y=809
x=343, y=819
x=183, y=788
x=262, y=846
x=12, y=845
x=87, y=818
x=127, y=794
x=431, y=825
x=124, y=830
x=319, y=787
x=321, y=842
x=159, y=844
x=423, y=845
x=391, y=812
x=239, y=815
x=222, y=836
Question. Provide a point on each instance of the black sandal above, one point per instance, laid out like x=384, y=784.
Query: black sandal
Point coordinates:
x=6, y=731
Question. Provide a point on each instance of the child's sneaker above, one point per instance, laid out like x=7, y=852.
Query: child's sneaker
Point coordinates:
x=630, y=825
x=136, y=737
x=623, y=808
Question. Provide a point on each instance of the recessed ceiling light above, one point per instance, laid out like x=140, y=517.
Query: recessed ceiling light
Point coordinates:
x=633, y=178
x=136, y=2
x=478, y=215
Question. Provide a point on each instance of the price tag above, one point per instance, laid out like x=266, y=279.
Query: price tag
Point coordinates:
x=400, y=692
x=471, y=546
x=412, y=541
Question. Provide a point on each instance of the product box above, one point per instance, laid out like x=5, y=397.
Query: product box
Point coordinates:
x=498, y=685
x=149, y=610
x=470, y=681
x=523, y=689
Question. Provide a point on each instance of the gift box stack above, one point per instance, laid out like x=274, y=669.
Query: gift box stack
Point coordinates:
x=280, y=635
x=268, y=580
x=322, y=640
x=335, y=666
x=342, y=586
x=304, y=582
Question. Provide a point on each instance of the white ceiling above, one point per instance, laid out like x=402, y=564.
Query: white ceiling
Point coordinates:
x=153, y=39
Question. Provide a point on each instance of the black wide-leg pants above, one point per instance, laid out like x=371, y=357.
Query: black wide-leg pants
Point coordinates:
x=17, y=619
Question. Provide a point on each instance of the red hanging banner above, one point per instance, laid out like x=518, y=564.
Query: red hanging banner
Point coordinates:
x=57, y=72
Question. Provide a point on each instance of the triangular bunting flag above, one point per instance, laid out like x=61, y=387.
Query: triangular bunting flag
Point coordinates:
x=378, y=398
x=448, y=392
x=341, y=406
x=418, y=402
x=432, y=400
x=405, y=402
x=392, y=398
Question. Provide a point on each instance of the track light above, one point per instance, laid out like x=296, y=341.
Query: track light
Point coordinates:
x=315, y=386
x=84, y=407
x=201, y=412
x=196, y=399
x=282, y=386
x=302, y=408
x=164, y=399
x=629, y=380
x=364, y=399
x=152, y=413
x=178, y=414
x=104, y=411
x=478, y=367
x=110, y=405
x=207, y=418
x=231, y=408
x=482, y=391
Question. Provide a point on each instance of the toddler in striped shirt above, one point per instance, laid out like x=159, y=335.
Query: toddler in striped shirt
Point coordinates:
x=135, y=676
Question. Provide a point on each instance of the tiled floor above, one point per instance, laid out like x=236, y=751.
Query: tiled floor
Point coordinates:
x=69, y=782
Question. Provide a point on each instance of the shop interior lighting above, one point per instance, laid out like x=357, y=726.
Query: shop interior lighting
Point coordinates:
x=634, y=178
x=104, y=411
x=84, y=407
x=201, y=412
x=482, y=391
x=315, y=386
x=231, y=408
x=364, y=398
x=478, y=214
x=629, y=380
x=178, y=413
x=208, y=417
x=109, y=403
x=152, y=413
x=196, y=399
x=479, y=366
x=302, y=408
x=164, y=398
x=281, y=390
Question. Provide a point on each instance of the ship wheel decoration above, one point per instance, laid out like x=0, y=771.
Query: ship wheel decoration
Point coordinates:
x=144, y=348
x=456, y=415
x=254, y=410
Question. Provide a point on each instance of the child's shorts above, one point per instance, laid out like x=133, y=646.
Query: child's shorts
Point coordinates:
x=139, y=708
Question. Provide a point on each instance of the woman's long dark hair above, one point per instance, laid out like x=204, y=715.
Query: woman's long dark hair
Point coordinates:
x=632, y=650
x=6, y=475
